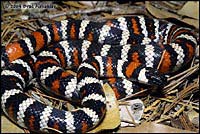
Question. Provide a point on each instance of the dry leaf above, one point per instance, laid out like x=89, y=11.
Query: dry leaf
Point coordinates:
x=193, y=117
x=8, y=126
x=88, y=3
x=112, y=117
x=190, y=9
x=151, y=127
x=74, y=4
x=160, y=13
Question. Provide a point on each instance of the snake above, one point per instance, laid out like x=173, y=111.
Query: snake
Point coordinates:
x=126, y=51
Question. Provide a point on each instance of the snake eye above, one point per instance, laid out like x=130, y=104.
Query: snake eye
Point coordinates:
x=155, y=78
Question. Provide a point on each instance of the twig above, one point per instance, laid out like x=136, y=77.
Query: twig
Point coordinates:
x=162, y=119
x=182, y=108
x=161, y=59
x=188, y=73
x=182, y=94
x=49, y=97
x=133, y=121
x=178, y=75
x=133, y=95
x=85, y=11
x=152, y=105
x=186, y=83
x=180, y=103
x=155, y=112
x=7, y=29
x=11, y=37
x=52, y=129
x=174, y=84
x=28, y=27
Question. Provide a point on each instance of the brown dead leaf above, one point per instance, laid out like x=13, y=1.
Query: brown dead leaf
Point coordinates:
x=190, y=9
x=112, y=117
x=75, y=4
x=8, y=126
x=161, y=13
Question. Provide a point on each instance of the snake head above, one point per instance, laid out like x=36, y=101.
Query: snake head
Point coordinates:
x=152, y=77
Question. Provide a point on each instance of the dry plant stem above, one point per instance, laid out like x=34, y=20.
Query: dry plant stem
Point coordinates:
x=32, y=26
x=135, y=94
x=154, y=113
x=171, y=92
x=52, y=129
x=162, y=119
x=123, y=103
x=126, y=122
x=98, y=9
x=26, y=131
x=186, y=74
x=75, y=4
x=133, y=121
x=161, y=59
x=182, y=94
x=180, y=103
x=11, y=37
x=60, y=105
x=189, y=123
x=14, y=19
x=183, y=122
x=7, y=30
x=172, y=5
x=49, y=97
x=174, y=84
x=160, y=110
x=182, y=73
x=9, y=14
x=193, y=103
x=26, y=21
x=177, y=113
x=192, y=64
x=151, y=106
x=11, y=25
x=28, y=27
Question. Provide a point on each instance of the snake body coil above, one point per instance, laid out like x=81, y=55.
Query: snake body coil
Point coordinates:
x=126, y=50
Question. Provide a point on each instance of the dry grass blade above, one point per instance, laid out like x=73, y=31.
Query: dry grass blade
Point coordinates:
x=132, y=120
x=25, y=26
x=74, y=4
x=136, y=94
x=26, y=131
x=80, y=11
x=52, y=129
x=151, y=106
x=7, y=30
x=11, y=38
x=188, y=122
x=180, y=103
x=195, y=67
x=184, y=75
x=49, y=97
x=182, y=94
x=9, y=14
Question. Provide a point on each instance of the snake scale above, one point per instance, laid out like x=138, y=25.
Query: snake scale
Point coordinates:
x=125, y=50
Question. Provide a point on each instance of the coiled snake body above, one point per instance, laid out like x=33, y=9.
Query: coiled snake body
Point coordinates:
x=124, y=49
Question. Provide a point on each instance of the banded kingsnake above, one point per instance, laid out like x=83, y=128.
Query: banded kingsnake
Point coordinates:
x=126, y=48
